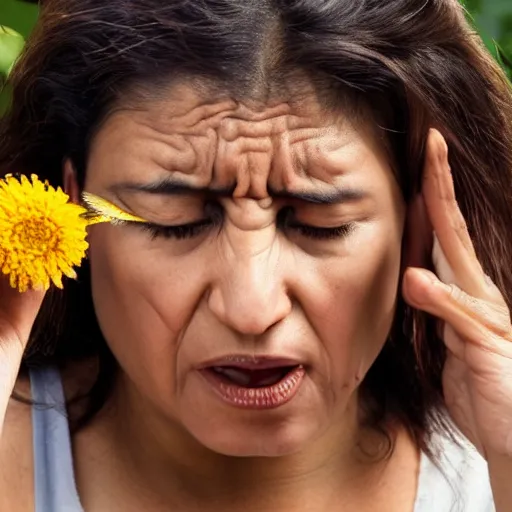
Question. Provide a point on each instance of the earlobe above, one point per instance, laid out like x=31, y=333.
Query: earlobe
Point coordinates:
x=70, y=182
x=418, y=236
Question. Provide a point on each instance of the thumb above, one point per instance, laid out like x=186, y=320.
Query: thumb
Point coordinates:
x=18, y=312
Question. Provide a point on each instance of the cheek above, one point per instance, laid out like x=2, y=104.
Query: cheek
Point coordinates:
x=143, y=301
x=146, y=303
x=351, y=302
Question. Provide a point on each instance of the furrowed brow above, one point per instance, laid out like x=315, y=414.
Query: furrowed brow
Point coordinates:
x=337, y=196
x=172, y=187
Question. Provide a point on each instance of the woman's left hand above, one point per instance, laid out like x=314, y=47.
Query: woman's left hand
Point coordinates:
x=475, y=320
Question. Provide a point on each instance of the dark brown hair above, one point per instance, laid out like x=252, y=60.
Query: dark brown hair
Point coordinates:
x=416, y=63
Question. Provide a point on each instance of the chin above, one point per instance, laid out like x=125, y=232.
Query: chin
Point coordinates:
x=250, y=432
x=235, y=443
x=266, y=436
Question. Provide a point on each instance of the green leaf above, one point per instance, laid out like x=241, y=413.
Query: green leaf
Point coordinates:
x=19, y=15
x=11, y=44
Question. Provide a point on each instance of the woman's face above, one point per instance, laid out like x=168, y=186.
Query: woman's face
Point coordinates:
x=263, y=276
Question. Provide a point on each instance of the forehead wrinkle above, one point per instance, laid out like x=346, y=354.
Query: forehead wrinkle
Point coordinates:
x=230, y=140
x=167, y=150
x=285, y=156
x=231, y=128
x=311, y=134
x=259, y=165
x=209, y=112
x=252, y=159
x=201, y=116
x=224, y=115
x=202, y=162
x=286, y=166
x=177, y=152
x=248, y=176
x=321, y=168
x=261, y=111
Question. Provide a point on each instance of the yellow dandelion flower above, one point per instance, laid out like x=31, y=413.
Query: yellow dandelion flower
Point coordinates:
x=42, y=234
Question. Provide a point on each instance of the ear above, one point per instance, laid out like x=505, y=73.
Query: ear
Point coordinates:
x=70, y=181
x=418, y=236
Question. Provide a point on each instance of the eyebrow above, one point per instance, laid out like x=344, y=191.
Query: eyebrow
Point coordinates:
x=173, y=187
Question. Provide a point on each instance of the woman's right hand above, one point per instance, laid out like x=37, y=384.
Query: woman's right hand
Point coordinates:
x=18, y=312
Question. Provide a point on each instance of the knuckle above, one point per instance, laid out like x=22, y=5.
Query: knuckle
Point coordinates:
x=495, y=318
x=457, y=295
x=466, y=301
x=502, y=323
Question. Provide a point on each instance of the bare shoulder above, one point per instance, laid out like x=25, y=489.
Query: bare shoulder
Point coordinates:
x=16, y=455
x=16, y=444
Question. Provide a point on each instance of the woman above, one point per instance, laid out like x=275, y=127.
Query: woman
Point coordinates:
x=277, y=335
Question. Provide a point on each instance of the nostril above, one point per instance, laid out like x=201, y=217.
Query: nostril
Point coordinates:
x=249, y=294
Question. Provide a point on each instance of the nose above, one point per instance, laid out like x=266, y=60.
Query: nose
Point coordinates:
x=251, y=296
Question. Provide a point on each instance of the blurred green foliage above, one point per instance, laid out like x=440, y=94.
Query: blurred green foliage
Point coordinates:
x=18, y=15
x=16, y=21
x=492, y=18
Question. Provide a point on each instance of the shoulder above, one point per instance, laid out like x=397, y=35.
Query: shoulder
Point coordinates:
x=16, y=459
x=457, y=481
x=50, y=389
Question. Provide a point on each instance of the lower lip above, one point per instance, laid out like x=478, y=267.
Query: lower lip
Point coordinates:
x=268, y=397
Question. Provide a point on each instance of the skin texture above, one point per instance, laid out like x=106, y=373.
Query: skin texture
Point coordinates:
x=246, y=287
x=249, y=285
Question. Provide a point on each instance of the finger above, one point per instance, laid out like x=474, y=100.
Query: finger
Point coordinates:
x=447, y=220
x=446, y=274
x=17, y=314
x=454, y=342
x=474, y=320
x=442, y=268
x=17, y=311
x=457, y=397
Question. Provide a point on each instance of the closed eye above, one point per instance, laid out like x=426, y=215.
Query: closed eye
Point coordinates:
x=180, y=232
x=189, y=230
x=194, y=229
x=287, y=220
x=322, y=233
x=284, y=221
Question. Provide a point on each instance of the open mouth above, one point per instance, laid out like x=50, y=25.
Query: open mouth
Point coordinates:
x=250, y=388
x=252, y=378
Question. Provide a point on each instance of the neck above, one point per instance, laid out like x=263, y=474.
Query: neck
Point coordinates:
x=162, y=457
